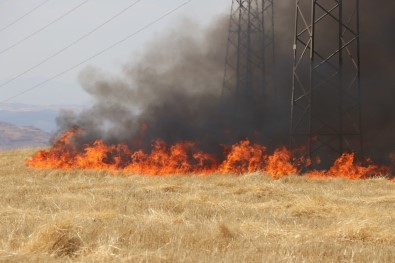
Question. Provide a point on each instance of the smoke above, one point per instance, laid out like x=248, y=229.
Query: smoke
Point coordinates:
x=172, y=91
x=378, y=67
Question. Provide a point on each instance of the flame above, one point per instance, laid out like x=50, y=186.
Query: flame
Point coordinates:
x=280, y=164
x=60, y=156
x=185, y=158
x=181, y=158
x=244, y=157
x=345, y=167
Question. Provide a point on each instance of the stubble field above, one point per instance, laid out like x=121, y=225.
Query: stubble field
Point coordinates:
x=93, y=216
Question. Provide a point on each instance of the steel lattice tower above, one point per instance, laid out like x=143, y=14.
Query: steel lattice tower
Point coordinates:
x=326, y=92
x=250, y=49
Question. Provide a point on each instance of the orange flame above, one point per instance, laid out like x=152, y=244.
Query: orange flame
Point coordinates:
x=182, y=158
x=280, y=164
x=244, y=158
x=185, y=158
x=345, y=167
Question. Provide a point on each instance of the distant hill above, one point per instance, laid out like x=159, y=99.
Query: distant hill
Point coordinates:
x=14, y=137
x=42, y=117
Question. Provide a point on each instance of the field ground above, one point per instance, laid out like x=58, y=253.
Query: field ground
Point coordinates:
x=87, y=216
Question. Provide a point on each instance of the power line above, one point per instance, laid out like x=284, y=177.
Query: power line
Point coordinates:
x=100, y=52
x=23, y=16
x=71, y=44
x=44, y=27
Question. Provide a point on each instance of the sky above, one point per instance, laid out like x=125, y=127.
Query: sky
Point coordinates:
x=66, y=89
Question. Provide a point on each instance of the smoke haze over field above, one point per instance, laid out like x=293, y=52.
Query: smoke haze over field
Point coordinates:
x=173, y=90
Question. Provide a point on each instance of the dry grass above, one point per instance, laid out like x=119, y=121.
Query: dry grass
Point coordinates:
x=58, y=216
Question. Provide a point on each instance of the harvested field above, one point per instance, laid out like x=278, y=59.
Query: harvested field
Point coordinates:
x=93, y=216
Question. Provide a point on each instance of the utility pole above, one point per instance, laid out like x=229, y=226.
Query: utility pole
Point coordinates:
x=326, y=91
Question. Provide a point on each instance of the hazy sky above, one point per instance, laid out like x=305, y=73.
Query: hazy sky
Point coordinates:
x=66, y=89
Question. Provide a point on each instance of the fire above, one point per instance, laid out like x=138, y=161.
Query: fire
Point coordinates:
x=61, y=154
x=345, y=167
x=280, y=164
x=182, y=158
x=185, y=158
x=244, y=157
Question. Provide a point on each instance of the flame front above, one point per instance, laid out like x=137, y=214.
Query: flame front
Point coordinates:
x=346, y=167
x=185, y=158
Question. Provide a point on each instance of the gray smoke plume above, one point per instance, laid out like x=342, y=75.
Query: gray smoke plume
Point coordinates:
x=173, y=90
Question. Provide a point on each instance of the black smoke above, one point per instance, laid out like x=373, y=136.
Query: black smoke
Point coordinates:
x=173, y=90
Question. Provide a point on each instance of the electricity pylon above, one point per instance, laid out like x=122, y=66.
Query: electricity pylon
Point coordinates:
x=250, y=52
x=326, y=91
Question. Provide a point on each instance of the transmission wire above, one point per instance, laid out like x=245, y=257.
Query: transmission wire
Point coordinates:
x=100, y=52
x=23, y=16
x=69, y=45
x=43, y=28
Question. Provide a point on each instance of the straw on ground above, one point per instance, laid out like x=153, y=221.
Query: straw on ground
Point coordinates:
x=93, y=216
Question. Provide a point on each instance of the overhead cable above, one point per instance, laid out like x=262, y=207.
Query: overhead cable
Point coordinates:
x=23, y=16
x=100, y=52
x=43, y=28
x=69, y=45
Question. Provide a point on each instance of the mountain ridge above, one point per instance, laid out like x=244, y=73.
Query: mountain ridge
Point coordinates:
x=16, y=137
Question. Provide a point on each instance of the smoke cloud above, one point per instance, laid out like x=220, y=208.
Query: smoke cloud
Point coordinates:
x=172, y=91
